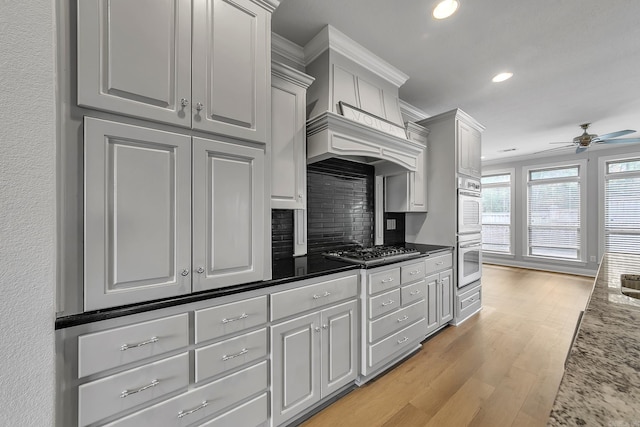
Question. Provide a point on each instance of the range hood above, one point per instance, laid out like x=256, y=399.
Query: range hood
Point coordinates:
x=353, y=106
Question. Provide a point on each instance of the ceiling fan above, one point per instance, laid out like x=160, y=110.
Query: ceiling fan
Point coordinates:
x=584, y=141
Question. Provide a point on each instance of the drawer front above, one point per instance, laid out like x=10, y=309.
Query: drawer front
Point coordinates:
x=201, y=402
x=293, y=301
x=414, y=292
x=104, y=350
x=395, y=321
x=397, y=342
x=227, y=319
x=383, y=280
x=384, y=303
x=440, y=262
x=412, y=272
x=216, y=358
x=116, y=393
x=469, y=302
x=251, y=414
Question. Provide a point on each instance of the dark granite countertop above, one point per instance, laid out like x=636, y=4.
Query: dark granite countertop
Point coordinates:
x=285, y=270
x=601, y=383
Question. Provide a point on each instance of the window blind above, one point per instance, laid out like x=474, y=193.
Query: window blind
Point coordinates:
x=496, y=213
x=622, y=206
x=553, y=216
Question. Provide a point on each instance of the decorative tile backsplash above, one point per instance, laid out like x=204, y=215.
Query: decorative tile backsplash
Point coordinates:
x=281, y=233
x=340, y=203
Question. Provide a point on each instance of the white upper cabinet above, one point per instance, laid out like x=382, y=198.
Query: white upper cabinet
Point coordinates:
x=228, y=214
x=137, y=214
x=288, y=137
x=469, y=150
x=134, y=58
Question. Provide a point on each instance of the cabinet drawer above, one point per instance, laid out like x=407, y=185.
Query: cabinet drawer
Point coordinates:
x=203, y=401
x=469, y=302
x=440, y=262
x=293, y=301
x=384, y=303
x=100, y=351
x=394, y=321
x=396, y=342
x=411, y=273
x=116, y=393
x=414, y=292
x=216, y=358
x=227, y=319
x=383, y=280
x=251, y=414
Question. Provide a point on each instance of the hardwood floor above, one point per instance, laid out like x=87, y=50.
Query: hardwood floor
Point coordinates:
x=500, y=368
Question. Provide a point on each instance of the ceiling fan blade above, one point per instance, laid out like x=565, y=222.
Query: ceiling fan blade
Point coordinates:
x=613, y=135
x=555, y=148
x=563, y=142
x=580, y=149
x=613, y=141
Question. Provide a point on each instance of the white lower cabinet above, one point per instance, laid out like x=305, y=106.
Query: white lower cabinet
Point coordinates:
x=313, y=355
x=440, y=292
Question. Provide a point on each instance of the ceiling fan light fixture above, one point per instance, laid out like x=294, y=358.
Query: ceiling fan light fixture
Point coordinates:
x=501, y=77
x=445, y=9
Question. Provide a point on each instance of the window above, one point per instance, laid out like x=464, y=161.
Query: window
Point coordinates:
x=554, y=212
x=496, y=213
x=622, y=206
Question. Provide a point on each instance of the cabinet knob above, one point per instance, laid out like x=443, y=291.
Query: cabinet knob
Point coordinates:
x=325, y=326
x=185, y=272
x=317, y=329
x=300, y=196
x=184, y=102
x=200, y=270
x=199, y=106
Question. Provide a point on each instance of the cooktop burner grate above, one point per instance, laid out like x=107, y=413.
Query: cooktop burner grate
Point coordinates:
x=373, y=255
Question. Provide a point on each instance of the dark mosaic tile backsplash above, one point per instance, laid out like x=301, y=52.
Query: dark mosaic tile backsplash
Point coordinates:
x=340, y=203
x=281, y=233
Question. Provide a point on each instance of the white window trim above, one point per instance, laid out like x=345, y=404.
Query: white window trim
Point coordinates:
x=512, y=244
x=602, y=171
x=582, y=178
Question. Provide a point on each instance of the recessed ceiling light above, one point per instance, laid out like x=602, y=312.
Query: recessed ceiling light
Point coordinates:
x=483, y=157
x=445, y=9
x=501, y=77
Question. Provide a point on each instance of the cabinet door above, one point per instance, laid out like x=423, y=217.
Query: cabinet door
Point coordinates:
x=469, y=150
x=418, y=185
x=432, y=303
x=339, y=347
x=288, y=153
x=228, y=214
x=134, y=58
x=446, y=297
x=231, y=68
x=137, y=214
x=295, y=364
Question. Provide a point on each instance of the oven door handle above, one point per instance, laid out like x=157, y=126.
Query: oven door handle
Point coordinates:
x=470, y=193
x=471, y=245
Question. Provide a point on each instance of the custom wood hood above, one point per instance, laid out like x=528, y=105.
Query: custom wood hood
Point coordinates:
x=353, y=105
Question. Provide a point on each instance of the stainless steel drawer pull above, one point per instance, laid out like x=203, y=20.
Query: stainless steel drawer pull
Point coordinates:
x=403, y=318
x=233, y=319
x=439, y=262
x=191, y=411
x=388, y=302
x=231, y=356
x=416, y=292
x=325, y=294
x=405, y=339
x=389, y=280
x=126, y=393
x=151, y=340
x=414, y=272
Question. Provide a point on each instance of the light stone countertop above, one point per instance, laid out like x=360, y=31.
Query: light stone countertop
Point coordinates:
x=601, y=383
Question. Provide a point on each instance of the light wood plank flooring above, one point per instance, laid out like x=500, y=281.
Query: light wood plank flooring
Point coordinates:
x=500, y=368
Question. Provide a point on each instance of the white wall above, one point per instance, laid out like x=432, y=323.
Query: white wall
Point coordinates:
x=592, y=212
x=27, y=209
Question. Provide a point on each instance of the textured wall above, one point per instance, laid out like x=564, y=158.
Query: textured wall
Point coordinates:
x=340, y=204
x=27, y=206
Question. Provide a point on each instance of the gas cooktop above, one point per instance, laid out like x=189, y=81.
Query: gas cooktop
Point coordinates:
x=374, y=255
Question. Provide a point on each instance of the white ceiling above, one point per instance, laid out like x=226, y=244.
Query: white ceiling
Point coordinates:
x=574, y=61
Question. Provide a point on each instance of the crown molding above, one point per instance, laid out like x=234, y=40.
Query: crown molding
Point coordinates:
x=330, y=38
x=411, y=112
x=270, y=5
x=287, y=49
x=417, y=129
x=455, y=113
x=291, y=75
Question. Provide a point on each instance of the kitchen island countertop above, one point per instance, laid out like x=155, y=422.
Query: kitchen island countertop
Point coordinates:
x=601, y=383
